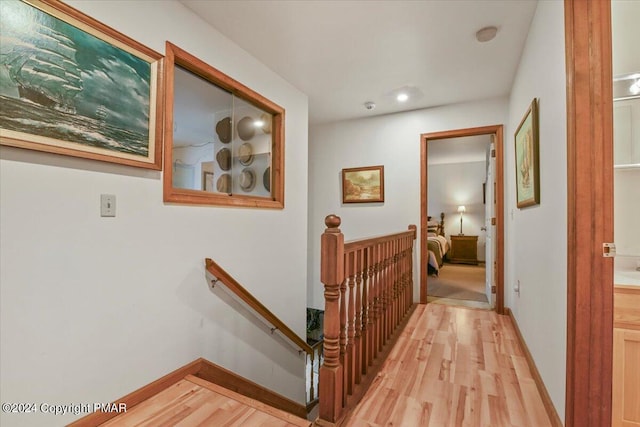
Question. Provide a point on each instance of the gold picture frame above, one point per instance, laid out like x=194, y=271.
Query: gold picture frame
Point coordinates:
x=76, y=87
x=528, y=158
x=363, y=185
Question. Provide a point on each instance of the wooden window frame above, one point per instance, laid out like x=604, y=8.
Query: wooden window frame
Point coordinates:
x=178, y=57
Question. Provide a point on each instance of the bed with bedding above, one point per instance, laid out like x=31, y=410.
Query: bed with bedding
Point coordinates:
x=437, y=245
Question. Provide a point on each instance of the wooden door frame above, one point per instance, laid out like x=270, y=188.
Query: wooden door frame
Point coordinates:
x=589, y=212
x=496, y=130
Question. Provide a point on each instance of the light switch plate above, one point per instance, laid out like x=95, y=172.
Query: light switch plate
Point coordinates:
x=107, y=205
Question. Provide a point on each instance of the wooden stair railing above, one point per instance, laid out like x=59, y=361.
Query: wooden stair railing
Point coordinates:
x=368, y=295
x=312, y=352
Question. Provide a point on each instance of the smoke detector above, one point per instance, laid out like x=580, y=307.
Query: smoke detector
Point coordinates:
x=369, y=105
x=486, y=34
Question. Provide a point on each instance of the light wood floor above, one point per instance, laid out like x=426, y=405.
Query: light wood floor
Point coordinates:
x=195, y=402
x=453, y=366
x=459, y=302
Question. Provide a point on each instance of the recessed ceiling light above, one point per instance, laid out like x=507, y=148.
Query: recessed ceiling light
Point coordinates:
x=402, y=97
x=486, y=34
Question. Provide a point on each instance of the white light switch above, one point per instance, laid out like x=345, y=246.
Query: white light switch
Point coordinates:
x=107, y=205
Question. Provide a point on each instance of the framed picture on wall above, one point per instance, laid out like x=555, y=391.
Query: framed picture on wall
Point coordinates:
x=363, y=185
x=528, y=158
x=75, y=86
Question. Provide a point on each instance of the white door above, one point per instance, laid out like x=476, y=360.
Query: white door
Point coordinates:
x=490, y=230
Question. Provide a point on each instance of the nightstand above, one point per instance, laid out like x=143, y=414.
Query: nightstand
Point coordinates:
x=464, y=250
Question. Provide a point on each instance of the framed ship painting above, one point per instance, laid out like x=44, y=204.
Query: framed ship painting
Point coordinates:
x=72, y=85
x=528, y=159
x=363, y=185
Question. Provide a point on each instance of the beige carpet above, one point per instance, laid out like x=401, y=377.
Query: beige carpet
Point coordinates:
x=459, y=281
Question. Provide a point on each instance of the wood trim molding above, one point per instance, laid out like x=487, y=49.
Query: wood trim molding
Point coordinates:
x=205, y=370
x=218, y=375
x=355, y=245
x=140, y=395
x=498, y=131
x=589, y=212
x=544, y=394
x=255, y=305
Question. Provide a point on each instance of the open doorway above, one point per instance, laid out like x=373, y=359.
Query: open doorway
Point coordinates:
x=470, y=263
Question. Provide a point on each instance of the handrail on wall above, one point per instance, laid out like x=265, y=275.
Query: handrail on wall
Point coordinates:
x=221, y=276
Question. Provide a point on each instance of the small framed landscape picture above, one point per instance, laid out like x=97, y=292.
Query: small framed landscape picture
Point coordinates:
x=363, y=185
x=528, y=159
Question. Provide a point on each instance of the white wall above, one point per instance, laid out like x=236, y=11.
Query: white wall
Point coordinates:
x=455, y=184
x=392, y=141
x=536, y=237
x=93, y=308
x=626, y=198
x=625, y=35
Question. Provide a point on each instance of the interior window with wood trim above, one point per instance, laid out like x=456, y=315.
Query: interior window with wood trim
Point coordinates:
x=223, y=142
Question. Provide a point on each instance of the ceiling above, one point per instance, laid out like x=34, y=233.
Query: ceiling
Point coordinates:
x=345, y=53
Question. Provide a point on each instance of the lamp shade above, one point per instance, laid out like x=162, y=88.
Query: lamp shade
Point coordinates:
x=462, y=209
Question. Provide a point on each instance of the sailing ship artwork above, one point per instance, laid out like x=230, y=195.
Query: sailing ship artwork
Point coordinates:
x=63, y=86
x=527, y=159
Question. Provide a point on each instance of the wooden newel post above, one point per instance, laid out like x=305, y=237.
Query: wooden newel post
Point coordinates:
x=412, y=227
x=332, y=275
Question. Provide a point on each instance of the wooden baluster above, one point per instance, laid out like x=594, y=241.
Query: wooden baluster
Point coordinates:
x=381, y=306
x=405, y=279
x=357, y=357
x=410, y=273
x=379, y=298
x=370, y=308
x=396, y=282
x=389, y=297
x=351, y=318
x=401, y=280
x=376, y=302
x=379, y=279
x=392, y=287
x=311, y=376
x=401, y=296
x=343, y=332
x=331, y=275
x=413, y=228
x=385, y=294
x=366, y=330
x=381, y=290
